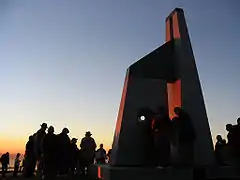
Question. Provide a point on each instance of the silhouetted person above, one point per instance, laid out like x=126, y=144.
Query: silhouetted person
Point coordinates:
x=232, y=144
x=5, y=163
x=81, y=163
x=38, y=140
x=231, y=135
x=50, y=154
x=88, y=147
x=74, y=155
x=29, y=158
x=220, y=150
x=237, y=142
x=101, y=155
x=64, y=150
x=186, y=136
x=162, y=134
x=23, y=164
x=17, y=162
x=109, y=155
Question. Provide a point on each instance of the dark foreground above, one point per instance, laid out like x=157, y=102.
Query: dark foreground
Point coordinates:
x=20, y=177
x=140, y=173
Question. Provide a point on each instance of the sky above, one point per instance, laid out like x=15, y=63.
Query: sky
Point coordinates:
x=64, y=62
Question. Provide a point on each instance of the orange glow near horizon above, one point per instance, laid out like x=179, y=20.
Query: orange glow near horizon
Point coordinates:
x=15, y=145
x=12, y=145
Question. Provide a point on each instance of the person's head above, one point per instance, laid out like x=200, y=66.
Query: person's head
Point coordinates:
x=65, y=131
x=101, y=145
x=219, y=137
x=18, y=155
x=74, y=140
x=229, y=127
x=51, y=129
x=7, y=153
x=44, y=126
x=88, y=134
x=238, y=121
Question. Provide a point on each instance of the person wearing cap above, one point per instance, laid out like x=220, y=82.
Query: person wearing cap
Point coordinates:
x=49, y=154
x=74, y=155
x=38, y=140
x=64, y=151
x=88, y=146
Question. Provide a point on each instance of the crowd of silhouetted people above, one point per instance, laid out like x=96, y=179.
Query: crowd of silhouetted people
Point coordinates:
x=166, y=133
x=49, y=155
x=178, y=135
x=58, y=155
x=5, y=161
x=228, y=152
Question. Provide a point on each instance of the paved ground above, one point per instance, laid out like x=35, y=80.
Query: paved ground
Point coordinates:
x=9, y=176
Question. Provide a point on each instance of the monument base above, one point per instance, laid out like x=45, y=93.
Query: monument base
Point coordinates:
x=107, y=172
x=223, y=172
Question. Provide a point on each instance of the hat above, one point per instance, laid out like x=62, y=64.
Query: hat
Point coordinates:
x=88, y=133
x=44, y=125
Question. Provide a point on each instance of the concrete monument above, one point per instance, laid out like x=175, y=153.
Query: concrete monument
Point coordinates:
x=166, y=77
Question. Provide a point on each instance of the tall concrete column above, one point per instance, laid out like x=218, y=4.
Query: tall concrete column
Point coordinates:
x=186, y=90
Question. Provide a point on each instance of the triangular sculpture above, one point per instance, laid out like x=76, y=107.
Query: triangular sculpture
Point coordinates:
x=167, y=77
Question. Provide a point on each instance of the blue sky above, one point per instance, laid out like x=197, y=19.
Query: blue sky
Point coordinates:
x=64, y=62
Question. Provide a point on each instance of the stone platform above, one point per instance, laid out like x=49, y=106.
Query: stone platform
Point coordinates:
x=107, y=172
x=224, y=172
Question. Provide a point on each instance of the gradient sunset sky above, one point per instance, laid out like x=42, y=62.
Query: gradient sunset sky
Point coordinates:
x=63, y=62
